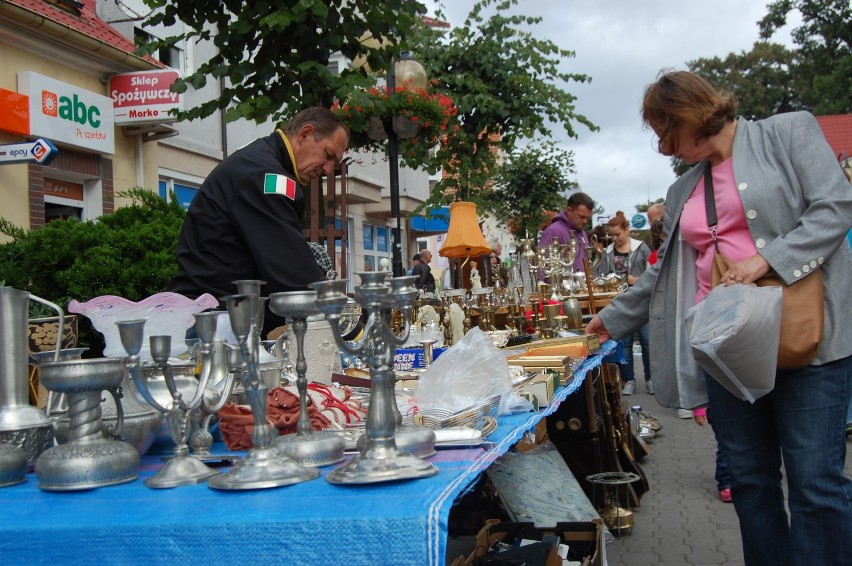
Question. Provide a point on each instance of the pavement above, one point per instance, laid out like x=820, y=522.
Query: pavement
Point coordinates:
x=680, y=521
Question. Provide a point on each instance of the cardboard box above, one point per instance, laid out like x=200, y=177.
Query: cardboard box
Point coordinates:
x=543, y=386
x=591, y=341
x=584, y=538
x=412, y=358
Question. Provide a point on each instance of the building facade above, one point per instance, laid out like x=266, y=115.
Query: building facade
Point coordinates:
x=74, y=51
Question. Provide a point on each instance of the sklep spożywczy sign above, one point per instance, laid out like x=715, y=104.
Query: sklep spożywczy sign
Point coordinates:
x=144, y=96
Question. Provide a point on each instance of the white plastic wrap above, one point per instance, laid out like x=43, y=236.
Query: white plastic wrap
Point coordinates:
x=468, y=373
x=734, y=333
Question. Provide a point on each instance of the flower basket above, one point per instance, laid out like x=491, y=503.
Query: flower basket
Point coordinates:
x=405, y=127
x=419, y=117
x=376, y=130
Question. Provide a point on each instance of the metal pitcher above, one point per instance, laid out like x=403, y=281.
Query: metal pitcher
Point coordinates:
x=21, y=424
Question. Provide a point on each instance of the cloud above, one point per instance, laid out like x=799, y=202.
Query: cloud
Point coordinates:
x=622, y=45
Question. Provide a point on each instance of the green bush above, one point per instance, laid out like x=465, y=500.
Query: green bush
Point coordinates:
x=130, y=253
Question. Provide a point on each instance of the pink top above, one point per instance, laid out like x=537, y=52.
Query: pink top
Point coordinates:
x=734, y=237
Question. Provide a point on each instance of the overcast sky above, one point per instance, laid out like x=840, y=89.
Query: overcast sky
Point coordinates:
x=622, y=45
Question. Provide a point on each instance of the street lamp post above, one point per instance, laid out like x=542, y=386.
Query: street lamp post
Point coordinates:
x=393, y=171
x=413, y=75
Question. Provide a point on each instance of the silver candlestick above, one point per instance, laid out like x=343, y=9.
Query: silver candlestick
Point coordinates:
x=312, y=448
x=264, y=466
x=181, y=469
x=89, y=459
x=380, y=459
x=220, y=381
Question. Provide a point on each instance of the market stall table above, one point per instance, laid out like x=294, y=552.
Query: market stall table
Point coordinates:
x=309, y=523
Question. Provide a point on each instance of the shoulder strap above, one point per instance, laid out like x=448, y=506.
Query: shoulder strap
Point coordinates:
x=710, y=205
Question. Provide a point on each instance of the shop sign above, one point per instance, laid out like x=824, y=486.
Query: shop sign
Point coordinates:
x=144, y=97
x=14, y=112
x=67, y=113
x=63, y=189
x=40, y=151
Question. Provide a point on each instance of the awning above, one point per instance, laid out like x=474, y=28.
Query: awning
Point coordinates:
x=436, y=219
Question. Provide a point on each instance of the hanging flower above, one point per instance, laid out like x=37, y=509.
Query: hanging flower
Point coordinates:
x=433, y=116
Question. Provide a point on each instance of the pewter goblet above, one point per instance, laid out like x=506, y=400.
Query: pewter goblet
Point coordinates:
x=320, y=448
x=89, y=459
x=181, y=469
x=263, y=466
x=380, y=459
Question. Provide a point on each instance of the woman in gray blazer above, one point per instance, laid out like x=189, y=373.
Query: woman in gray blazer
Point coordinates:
x=783, y=205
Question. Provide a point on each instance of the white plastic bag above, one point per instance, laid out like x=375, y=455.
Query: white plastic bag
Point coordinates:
x=734, y=333
x=468, y=373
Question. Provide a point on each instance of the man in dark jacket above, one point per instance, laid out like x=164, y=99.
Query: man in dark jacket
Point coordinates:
x=245, y=222
x=425, y=279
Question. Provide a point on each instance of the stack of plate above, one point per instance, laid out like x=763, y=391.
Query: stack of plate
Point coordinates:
x=471, y=416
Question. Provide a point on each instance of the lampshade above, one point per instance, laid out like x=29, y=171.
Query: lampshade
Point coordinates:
x=464, y=238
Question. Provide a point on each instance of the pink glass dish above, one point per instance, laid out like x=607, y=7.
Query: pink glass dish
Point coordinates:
x=165, y=314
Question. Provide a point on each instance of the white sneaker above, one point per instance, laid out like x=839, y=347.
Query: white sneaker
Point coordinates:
x=684, y=414
x=629, y=388
x=649, y=387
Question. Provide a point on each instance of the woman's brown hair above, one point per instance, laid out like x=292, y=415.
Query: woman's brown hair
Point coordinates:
x=679, y=99
x=618, y=221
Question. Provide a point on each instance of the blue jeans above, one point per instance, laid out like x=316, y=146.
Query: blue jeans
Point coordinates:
x=801, y=421
x=626, y=369
x=644, y=342
x=723, y=474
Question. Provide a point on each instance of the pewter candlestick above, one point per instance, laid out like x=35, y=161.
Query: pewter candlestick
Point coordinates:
x=380, y=459
x=263, y=466
x=181, y=469
x=220, y=381
x=311, y=448
x=89, y=459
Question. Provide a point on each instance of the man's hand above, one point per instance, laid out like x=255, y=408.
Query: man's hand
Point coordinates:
x=596, y=327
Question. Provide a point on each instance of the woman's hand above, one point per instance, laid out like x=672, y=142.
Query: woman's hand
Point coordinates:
x=746, y=271
x=596, y=327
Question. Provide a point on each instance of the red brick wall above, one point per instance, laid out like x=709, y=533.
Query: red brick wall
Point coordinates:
x=85, y=164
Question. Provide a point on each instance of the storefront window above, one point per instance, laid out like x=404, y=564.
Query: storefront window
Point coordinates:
x=381, y=238
x=369, y=239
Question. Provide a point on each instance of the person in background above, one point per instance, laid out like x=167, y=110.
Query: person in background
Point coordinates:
x=598, y=241
x=415, y=261
x=657, y=237
x=570, y=224
x=655, y=212
x=629, y=257
x=497, y=276
x=783, y=205
x=246, y=220
x=425, y=279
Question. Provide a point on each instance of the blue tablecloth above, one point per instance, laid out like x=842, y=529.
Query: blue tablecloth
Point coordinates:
x=309, y=523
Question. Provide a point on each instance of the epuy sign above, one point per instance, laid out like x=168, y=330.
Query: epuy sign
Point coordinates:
x=40, y=151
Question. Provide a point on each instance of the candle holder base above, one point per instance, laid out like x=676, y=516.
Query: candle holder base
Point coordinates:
x=315, y=449
x=262, y=468
x=370, y=469
x=83, y=465
x=181, y=470
x=419, y=441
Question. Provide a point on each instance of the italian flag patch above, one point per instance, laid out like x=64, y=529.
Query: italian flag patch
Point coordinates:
x=279, y=185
